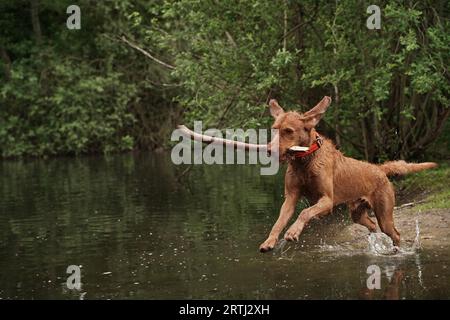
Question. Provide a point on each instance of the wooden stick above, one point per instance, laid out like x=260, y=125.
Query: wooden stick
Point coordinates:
x=409, y=204
x=208, y=139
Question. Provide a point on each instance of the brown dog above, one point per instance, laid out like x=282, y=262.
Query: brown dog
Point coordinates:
x=327, y=178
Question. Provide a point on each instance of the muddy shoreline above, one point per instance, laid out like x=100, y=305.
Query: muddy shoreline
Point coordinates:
x=434, y=228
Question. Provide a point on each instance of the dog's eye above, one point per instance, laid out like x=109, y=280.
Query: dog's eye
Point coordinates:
x=288, y=131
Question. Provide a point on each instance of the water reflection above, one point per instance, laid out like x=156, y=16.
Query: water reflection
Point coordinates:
x=139, y=231
x=391, y=290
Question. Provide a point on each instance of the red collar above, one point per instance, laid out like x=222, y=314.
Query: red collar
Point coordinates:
x=314, y=147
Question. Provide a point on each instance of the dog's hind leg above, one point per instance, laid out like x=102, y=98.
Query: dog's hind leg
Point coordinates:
x=359, y=211
x=383, y=205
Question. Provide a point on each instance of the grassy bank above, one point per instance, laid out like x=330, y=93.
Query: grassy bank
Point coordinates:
x=430, y=186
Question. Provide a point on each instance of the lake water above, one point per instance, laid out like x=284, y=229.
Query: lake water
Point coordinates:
x=142, y=228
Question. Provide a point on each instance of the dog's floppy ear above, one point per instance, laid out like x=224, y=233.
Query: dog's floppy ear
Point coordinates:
x=313, y=116
x=275, y=109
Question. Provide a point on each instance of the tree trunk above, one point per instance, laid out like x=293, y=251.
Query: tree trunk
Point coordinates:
x=7, y=62
x=285, y=27
x=365, y=139
x=35, y=20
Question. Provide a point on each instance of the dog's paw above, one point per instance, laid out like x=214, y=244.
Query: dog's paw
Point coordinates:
x=293, y=233
x=268, y=245
x=288, y=236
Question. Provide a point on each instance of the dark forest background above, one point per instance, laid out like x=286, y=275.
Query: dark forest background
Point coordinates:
x=138, y=68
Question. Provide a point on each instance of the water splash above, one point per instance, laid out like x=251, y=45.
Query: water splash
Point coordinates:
x=279, y=247
x=381, y=244
x=417, y=245
x=419, y=270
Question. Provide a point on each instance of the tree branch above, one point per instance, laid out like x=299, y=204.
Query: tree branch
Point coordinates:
x=146, y=53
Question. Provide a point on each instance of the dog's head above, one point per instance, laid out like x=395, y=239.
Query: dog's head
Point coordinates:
x=295, y=129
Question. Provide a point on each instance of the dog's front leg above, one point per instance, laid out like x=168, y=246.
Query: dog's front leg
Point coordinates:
x=322, y=207
x=286, y=212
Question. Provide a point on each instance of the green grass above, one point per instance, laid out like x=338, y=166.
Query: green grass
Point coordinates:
x=435, y=183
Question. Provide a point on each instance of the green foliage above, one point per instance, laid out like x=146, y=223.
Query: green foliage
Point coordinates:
x=80, y=112
x=434, y=182
x=390, y=86
x=75, y=91
x=87, y=91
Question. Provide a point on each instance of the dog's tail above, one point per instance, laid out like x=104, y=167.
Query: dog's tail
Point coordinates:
x=400, y=168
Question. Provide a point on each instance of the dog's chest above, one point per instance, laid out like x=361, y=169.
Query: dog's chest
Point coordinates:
x=308, y=184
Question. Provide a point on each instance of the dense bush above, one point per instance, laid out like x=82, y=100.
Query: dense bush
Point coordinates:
x=220, y=61
x=79, y=112
x=390, y=86
x=74, y=91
